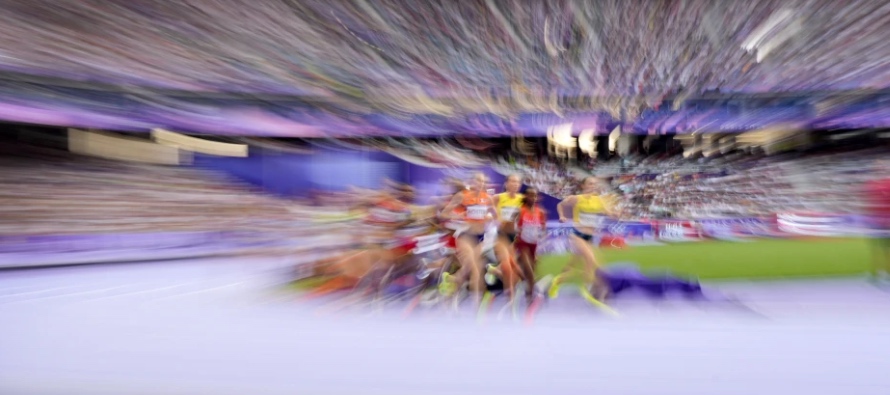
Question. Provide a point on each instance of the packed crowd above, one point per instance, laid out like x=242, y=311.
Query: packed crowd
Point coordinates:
x=61, y=193
x=48, y=192
x=383, y=64
x=549, y=176
x=737, y=185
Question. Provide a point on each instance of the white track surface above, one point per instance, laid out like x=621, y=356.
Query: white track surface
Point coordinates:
x=214, y=327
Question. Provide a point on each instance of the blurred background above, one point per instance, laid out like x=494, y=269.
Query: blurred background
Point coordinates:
x=168, y=168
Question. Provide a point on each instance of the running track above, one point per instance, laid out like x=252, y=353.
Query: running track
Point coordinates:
x=214, y=326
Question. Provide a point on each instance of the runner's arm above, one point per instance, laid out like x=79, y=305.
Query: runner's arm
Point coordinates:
x=425, y=212
x=363, y=203
x=560, y=208
x=517, y=225
x=449, y=208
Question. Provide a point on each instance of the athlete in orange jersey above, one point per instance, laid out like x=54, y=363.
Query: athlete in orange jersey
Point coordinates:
x=476, y=208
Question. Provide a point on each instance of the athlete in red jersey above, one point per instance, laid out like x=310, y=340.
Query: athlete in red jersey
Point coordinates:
x=531, y=227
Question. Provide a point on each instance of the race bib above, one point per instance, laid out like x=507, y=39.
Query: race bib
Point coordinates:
x=477, y=212
x=531, y=233
x=509, y=213
x=591, y=220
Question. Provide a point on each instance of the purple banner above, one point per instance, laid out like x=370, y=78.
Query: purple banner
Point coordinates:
x=290, y=174
x=429, y=181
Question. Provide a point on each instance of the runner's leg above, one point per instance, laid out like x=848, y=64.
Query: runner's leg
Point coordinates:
x=506, y=265
x=527, y=265
x=585, y=251
x=469, y=253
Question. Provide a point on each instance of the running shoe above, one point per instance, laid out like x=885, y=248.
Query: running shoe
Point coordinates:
x=490, y=277
x=423, y=274
x=543, y=284
x=554, y=287
x=585, y=293
x=599, y=292
x=429, y=297
x=447, y=287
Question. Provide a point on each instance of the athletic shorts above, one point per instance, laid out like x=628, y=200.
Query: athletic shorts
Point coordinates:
x=451, y=242
x=594, y=240
x=532, y=249
x=478, y=238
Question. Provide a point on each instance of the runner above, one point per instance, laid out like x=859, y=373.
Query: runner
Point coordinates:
x=508, y=206
x=590, y=210
x=532, y=227
x=451, y=221
x=389, y=241
x=476, y=207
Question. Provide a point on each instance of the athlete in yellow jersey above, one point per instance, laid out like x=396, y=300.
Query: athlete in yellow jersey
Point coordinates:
x=508, y=205
x=590, y=210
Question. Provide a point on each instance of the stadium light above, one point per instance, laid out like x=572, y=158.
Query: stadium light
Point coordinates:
x=586, y=141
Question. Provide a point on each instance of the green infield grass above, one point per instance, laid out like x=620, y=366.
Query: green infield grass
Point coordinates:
x=749, y=259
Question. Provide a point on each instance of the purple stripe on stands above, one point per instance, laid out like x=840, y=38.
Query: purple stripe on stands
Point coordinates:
x=84, y=242
x=96, y=236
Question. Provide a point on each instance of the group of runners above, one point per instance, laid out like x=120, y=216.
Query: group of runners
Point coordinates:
x=491, y=242
x=494, y=239
x=519, y=225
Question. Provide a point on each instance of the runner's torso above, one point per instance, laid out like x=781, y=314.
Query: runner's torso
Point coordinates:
x=531, y=224
x=474, y=209
x=385, y=219
x=590, y=213
x=508, y=208
x=388, y=211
